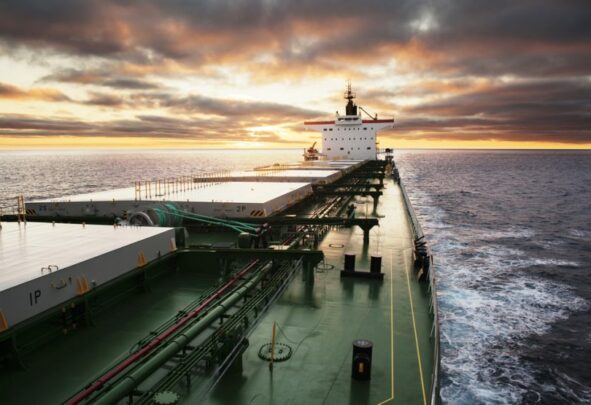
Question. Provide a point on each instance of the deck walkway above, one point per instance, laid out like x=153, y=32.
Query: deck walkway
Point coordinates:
x=320, y=322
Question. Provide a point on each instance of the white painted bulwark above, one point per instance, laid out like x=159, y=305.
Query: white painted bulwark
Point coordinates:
x=44, y=265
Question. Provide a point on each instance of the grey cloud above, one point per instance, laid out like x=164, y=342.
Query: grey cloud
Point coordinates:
x=144, y=126
x=459, y=28
x=9, y=91
x=100, y=77
x=236, y=108
x=555, y=111
x=545, y=40
x=104, y=100
x=22, y=125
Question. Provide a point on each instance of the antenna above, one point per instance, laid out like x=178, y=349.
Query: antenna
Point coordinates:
x=350, y=108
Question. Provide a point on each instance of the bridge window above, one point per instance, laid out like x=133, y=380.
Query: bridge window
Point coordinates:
x=330, y=129
x=368, y=148
x=365, y=128
x=342, y=149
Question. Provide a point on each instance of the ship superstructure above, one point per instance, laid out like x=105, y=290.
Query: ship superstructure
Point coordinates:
x=349, y=136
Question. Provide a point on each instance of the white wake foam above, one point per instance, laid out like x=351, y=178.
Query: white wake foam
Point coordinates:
x=488, y=306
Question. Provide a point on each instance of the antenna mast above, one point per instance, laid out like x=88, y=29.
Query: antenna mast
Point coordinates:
x=351, y=107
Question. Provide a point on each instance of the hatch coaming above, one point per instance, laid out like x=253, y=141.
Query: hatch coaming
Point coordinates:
x=43, y=265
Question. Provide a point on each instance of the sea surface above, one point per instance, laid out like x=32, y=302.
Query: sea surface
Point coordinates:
x=510, y=231
x=511, y=235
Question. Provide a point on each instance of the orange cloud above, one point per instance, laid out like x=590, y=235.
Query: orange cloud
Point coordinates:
x=8, y=91
x=483, y=72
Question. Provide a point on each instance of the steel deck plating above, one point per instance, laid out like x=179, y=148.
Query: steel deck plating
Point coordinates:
x=43, y=265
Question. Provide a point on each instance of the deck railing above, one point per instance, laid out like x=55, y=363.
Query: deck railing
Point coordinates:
x=10, y=207
x=418, y=233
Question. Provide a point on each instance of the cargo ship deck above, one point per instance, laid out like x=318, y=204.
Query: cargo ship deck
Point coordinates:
x=292, y=283
x=320, y=321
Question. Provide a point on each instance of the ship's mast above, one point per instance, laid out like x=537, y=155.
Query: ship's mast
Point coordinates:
x=351, y=107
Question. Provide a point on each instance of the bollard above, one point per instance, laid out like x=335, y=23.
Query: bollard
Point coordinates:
x=376, y=264
x=361, y=364
x=349, y=262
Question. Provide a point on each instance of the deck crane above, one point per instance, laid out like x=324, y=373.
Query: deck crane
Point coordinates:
x=373, y=117
x=311, y=153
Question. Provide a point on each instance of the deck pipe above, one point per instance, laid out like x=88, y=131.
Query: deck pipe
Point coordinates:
x=261, y=299
x=128, y=383
x=115, y=371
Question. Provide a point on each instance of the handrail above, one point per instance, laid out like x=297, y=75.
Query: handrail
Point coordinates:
x=417, y=229
x=8, y=209
x=418, y=234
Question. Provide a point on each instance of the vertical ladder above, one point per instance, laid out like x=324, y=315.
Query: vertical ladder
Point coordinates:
x=21, y=210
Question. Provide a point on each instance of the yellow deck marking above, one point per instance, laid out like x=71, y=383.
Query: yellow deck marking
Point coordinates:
x=391, y=331
x=414, y=326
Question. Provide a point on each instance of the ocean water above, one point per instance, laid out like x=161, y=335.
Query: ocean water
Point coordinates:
x=511, y=234
x=46, y=174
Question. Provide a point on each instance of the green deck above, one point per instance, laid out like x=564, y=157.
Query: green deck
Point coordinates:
x=319, y=322
x=58, y=369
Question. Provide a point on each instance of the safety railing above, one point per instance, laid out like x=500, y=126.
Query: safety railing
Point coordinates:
x=16, y=209
x=418, y=234
x=163, y=187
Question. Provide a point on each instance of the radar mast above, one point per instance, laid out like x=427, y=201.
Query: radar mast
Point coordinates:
x=351, y=107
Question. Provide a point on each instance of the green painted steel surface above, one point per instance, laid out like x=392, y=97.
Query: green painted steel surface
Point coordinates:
x=321, y=321
x=318, y=321
x=57, y=370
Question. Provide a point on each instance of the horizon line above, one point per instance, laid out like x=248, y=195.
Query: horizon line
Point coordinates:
x=123, y=148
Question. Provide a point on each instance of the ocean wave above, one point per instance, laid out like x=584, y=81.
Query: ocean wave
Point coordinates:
x=492, y=297
x=488, y=306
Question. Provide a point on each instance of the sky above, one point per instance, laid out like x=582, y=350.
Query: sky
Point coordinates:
x=247, y=74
